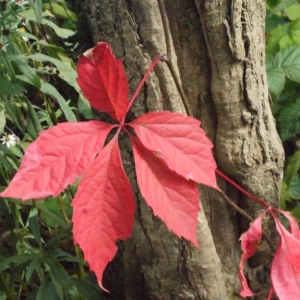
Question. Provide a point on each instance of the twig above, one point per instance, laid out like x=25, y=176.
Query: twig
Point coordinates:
x=247, y=216
x=168, y=59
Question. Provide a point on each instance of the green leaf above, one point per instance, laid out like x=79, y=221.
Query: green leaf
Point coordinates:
x=7, y=64
x=276, y=80
x=66, y=72
x=284, y=4
x=61, y=32
x=296, y=213
x=37, y=6
x=293, y=36
x=42, y=207
x=288, y=59
x=29, y=270
x=7, y=152
x=294, y=189
x=272, y=21
x=274, y=38
x=2, y=120
x=33, y=120
x=61, y=11
x=61, y=255
x=289, y=120
x=34, y=225
x=47, y=88
x=17, y=260
x=84, y=107
x=52, y=205
x=292, y=167
x=15, y=114
x=47, y=291
x=284, y=196
x=88, y=290
x=9, y=88
x=61, y=280
x=293, y=12
x=272, y=3
x=26, y=70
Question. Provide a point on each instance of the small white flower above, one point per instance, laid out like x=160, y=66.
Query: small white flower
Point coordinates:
x=20, y=2
x=3, y=47
x=9, y=140
x=25, y=38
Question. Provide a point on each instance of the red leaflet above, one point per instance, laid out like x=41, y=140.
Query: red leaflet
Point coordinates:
x=174, y=199
x=103, y=81
x=250, y=241
x=180, y=143
x=103, y=209
x=285, y=271
x=57, y=158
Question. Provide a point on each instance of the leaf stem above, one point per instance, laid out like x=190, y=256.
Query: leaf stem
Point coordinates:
x=62, y=209
x=260, y=201
x=153, y=64
x=236, y=207
x=80, y=266
x=247, y=216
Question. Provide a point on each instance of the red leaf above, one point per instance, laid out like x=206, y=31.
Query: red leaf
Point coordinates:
x=103, y=81
x=180, y=143
x=103, y=209
x=250, y=244
x=174, y=199
x=285, y=270
x=56, y=159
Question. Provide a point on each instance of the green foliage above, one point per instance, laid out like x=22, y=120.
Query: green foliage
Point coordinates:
x=37, y=90
x=283, y=72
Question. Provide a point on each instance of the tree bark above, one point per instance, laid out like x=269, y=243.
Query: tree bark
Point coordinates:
x=218, y=52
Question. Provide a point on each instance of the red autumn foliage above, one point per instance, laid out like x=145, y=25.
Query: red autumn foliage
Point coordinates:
x=171, y=152
x=285, y=269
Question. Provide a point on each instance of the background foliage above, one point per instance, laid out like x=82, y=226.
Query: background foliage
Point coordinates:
x=39, y=46
x=38, y=89
x=283, y=71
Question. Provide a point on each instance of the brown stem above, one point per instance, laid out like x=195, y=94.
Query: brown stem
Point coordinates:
x=168, y=59
x=247, y=216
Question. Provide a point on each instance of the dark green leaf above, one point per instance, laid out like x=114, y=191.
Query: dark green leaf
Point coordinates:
x=289, y=120
x=288, y=59
x=26, y=70
x=37, y=6
x=16, y=260
x=15, y=114
x=33, y=119
x=292, y=167
x=272, y=21
x=31, y=267
x=47, y=291
x=276, y=80
x=9, y=88
x=294, y=189
x=274, y=38
x=34, y=225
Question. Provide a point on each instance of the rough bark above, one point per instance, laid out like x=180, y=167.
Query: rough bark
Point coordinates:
x=218, y=52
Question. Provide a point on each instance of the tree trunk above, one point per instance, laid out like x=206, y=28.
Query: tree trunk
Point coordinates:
x=218, y=52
